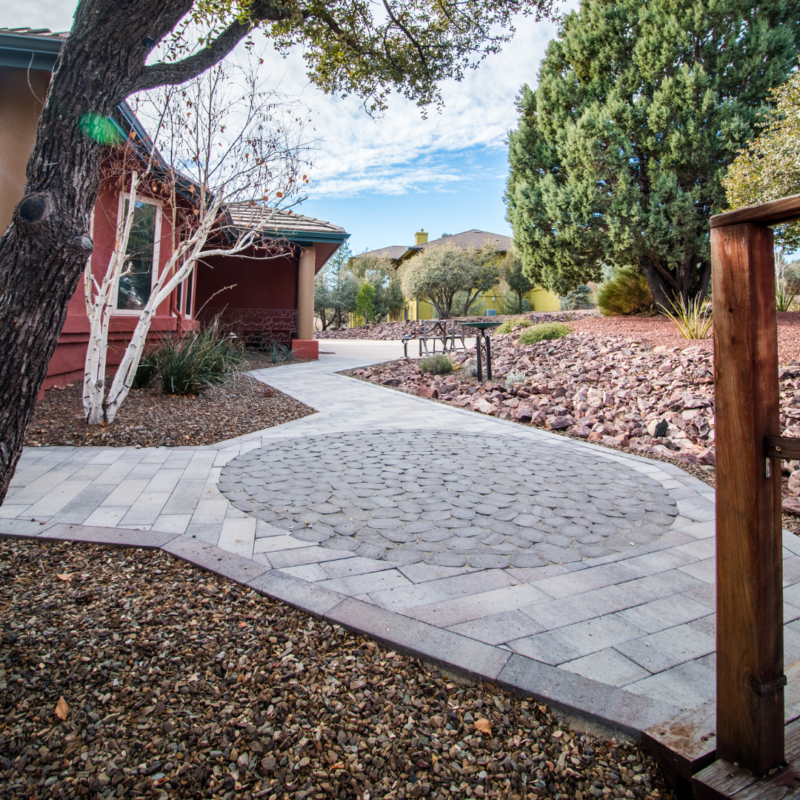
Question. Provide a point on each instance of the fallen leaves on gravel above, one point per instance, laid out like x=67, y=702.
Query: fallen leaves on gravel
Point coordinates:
x=183, y=684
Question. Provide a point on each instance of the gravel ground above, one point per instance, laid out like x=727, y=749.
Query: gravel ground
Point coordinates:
x=177, y=683
x=148, y=418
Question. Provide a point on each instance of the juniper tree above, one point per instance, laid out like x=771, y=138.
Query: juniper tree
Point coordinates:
x=641, y=106
x=515, y=277
x=350, y=48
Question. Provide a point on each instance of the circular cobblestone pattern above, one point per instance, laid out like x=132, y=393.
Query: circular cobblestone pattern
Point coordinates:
x=449, y=499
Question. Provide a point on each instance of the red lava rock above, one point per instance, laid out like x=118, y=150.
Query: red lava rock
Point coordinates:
x=427, y=391
x=791, y=505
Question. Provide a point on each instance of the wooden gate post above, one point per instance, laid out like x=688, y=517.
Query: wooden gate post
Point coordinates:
x=748, y=499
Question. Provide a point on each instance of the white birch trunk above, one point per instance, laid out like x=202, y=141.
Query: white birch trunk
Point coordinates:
x=99, y=307
x=177, y=270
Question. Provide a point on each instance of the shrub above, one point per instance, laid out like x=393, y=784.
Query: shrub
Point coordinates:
x=541, y=333
x=472, y=369
x=510, y=324
x=625, y=291
x=365, y=303
x=514, y=377
x=439, y=364
x=579, y=299
x=145, y=372
x=198, y=361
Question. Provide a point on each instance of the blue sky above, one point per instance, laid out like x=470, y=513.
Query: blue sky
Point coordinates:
x=377, y=220
x=385, y=179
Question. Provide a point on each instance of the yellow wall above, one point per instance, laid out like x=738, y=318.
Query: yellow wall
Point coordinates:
x=543, y=300
x=539, y=299
x=19, y=116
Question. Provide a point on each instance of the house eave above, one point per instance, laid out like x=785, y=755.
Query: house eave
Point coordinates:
x=27, y=52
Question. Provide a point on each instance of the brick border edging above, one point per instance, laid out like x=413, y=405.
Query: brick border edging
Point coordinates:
x=565, y=691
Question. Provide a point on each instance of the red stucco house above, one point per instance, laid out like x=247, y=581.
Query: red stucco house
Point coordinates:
x=267, y=293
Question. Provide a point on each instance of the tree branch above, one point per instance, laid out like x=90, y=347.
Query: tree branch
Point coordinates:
x=163, y=74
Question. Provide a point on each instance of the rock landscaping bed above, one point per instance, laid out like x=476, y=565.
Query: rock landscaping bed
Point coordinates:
x=620, y=392
x=661, y=331
x=149, y=418
x=128, y=673
x=413, y=328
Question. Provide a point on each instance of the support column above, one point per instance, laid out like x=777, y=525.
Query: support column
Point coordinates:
x=750, y=679
x=305, y=346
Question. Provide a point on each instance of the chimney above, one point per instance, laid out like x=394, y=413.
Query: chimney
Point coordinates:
x=420, y=237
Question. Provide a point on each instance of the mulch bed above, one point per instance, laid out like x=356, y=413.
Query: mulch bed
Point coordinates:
x=178, y=683
x=149, y=418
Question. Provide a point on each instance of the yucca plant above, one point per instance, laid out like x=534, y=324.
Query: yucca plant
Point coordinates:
x=197, y=361
x=785, y=285
x=692, y=317
x=784, y=298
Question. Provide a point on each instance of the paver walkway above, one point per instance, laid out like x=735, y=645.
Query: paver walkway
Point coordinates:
x=578, y=574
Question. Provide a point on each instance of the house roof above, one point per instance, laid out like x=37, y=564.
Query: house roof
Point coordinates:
x=394, y=252
x=473, y=239
x=281, y=224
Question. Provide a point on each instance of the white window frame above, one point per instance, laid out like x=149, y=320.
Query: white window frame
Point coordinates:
x=130, y=312
x=180, y=306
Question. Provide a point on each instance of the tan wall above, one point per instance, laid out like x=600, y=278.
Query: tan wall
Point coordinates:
x=19, y=116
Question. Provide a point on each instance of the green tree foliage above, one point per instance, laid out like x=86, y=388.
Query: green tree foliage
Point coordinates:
x=439, y=274
x=335, y=290
x=411, y=45
x=365, y=303
x=515, y=277
x=769, y=167
x=641, y=105
x=389, y=298
x=382, y=274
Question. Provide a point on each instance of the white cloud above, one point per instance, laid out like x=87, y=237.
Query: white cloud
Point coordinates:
x=363, y=155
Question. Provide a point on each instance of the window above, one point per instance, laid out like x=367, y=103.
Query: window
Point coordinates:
x=184, y=296
x=142, y=256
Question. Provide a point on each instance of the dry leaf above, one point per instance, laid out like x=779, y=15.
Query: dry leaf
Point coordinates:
x=484, y=726
x=62, y=709
x=64, y=576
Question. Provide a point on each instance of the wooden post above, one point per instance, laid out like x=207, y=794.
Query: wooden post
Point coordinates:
x=749, y=566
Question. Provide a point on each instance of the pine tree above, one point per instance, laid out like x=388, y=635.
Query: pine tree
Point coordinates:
x=619, y=152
